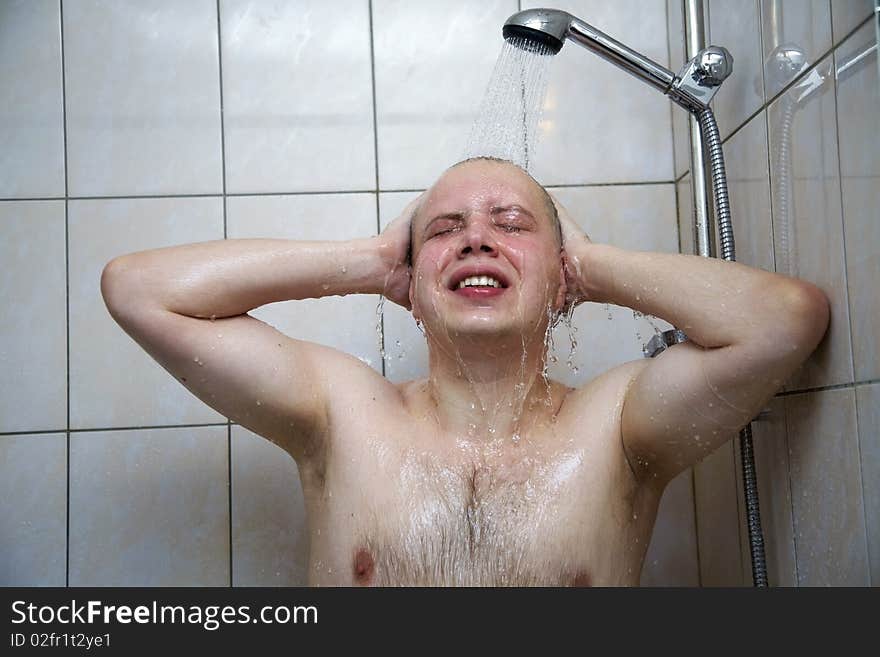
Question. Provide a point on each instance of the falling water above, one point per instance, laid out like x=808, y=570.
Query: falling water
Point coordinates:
x=507, y=124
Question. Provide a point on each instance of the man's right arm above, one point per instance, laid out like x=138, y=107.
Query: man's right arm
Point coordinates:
x=187, y=307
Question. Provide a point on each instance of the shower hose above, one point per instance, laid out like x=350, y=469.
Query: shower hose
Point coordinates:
x=712, y=146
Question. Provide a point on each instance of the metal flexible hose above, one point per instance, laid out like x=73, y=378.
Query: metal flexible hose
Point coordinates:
x=712, y=146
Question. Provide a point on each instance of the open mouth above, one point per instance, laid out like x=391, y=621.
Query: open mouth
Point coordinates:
x=479, y=286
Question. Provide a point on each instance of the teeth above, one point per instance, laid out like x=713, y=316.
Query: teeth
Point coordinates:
x=474, y=281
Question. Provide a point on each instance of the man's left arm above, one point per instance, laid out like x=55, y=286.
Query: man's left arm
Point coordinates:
x=748, y=331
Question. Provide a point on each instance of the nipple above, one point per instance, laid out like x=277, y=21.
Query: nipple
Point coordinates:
x=363, y=567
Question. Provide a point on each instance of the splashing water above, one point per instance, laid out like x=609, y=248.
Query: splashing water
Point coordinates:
x=380, y=332
x=507, y=124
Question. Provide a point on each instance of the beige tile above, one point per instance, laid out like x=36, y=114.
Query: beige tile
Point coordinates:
x=686, y=229
x=718, y=523
x=807, y=224
x=270, y=541
x=859, y=132
x=826, y=488
x=770, y=443
x=406, y=352
x=868, y=403
x=433, y=60
x=113, y=382
x=345, y=323
x=599, y=123
x=33, y=331
x=297, y=96
x=638, y=217
x=748, y=180
x=143, y=97
x=33, y=510
x=847, y=14
x=671, y=559
x=736, y=25
x=149, y=508
x=795, y=34
x=31, y=106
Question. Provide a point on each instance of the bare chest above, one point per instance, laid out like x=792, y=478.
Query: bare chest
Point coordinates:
x=539, y=513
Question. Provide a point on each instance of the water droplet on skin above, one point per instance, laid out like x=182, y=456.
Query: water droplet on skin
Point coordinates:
x=213, y=318
x=344, y=269
x=325, y=286
x=259, y=403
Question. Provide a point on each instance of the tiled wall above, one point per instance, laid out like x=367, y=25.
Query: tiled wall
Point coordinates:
x=803, y=159
x=139, y=124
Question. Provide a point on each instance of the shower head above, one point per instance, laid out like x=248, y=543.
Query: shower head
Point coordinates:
x=547, y=27
x=692, y=88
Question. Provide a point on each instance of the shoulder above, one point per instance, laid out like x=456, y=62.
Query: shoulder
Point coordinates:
x=607, y=389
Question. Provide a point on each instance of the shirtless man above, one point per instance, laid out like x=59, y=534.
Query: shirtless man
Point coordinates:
x=485, y=473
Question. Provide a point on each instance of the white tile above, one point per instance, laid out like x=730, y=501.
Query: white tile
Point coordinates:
x=671, y=559
x=406, y=351
x=143, y=97
x=807, y=223
x=113, y=382
x=297, y=96
x=270, y=541
x=847, y=14
x=686, y=228
x=345, y=323
x=718, y=523
x=601, y=124
x=858, y=97
x=826, y=488
x=736, y=25
x=868, y=402
x=149, y=508
x=748, y=180
x=639, y=217
x=433, y=60
x=31, y=105
x=33, y=510
x=33, y=327
x=792, y=29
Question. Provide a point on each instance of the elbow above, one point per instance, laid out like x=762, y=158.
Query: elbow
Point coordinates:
x=116, y=285
x=807, y=313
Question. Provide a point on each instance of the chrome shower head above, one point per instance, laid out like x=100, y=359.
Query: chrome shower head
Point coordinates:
x=547, y=27
x=692, y=88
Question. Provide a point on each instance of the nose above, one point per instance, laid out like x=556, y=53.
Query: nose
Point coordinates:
x=478, y=239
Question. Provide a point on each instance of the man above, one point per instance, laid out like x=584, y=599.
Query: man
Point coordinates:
x=485, y=473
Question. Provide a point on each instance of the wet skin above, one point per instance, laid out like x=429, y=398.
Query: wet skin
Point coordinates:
x=485, y=472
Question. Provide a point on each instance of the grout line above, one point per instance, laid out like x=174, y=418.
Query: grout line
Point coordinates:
x=225, y=236
x=770, y=187
x=794, y=534
x=393, y=190
x=376, y=165
x=129, y=428
x=836, y=386
x=67, y=289
x=845, y=272
x=849, y=308
x=696, y=523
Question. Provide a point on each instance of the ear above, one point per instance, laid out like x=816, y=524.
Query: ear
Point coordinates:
x=411, y=296
x=562, y=292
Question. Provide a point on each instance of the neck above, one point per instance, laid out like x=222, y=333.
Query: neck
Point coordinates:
x=489, y=387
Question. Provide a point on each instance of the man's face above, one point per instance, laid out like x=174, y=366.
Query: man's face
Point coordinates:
x=485, y=219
